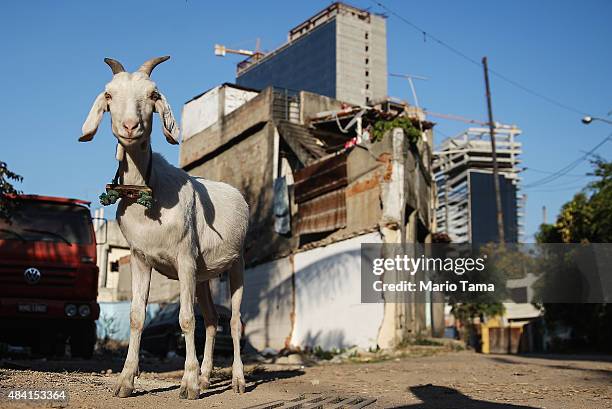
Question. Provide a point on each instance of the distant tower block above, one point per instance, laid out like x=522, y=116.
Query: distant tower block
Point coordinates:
x=463, y=171
x=340, y=52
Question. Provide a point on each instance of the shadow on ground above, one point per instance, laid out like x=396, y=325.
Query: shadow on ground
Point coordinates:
x=103, y=363
x=96, y=364
x=569, y=357
x=253, y=381
x=548, y=362
x=217, y=387
x=436, y=397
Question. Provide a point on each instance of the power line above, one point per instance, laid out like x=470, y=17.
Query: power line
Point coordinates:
x=476, y=63
x=554, y=175
x=561, y=189
x=537, y=94
x=566, y=169
x=557, y=186
x=547, y=172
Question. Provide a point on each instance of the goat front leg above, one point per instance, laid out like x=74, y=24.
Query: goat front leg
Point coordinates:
x=141, y=278
x=190, y=385
x=236, y=279
x=211, y=319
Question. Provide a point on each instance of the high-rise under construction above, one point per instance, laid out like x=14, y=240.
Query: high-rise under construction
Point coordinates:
x=463, y=171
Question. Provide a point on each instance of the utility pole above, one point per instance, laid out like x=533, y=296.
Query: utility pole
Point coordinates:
x=498, y=204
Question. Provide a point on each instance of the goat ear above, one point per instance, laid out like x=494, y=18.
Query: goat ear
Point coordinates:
x=93, y=119
x=171, y=130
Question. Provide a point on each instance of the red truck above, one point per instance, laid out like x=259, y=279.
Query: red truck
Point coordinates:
x=48, y=276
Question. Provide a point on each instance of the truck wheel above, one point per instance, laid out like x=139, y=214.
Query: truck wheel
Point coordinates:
x=50, y=346
x=83, y=340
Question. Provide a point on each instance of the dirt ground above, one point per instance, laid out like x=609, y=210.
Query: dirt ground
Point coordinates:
x=442, y=380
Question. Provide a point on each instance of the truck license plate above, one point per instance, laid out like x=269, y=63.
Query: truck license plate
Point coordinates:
x=38, y=308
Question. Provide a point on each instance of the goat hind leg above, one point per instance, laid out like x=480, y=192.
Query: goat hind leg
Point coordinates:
x=236, y=280
x=141, y=279
x=211, y=319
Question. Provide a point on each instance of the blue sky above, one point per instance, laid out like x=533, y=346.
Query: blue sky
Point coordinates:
x=52, y=70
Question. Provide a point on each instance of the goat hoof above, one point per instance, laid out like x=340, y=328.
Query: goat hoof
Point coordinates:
x=238, y=385
x=188, y=393
x=204, y=383
x=123, y=391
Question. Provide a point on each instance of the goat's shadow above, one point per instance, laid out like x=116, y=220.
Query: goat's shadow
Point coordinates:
x=435, y=397
x=548, y=362
x=224, y=385
x=155, y=391
x=252, y=381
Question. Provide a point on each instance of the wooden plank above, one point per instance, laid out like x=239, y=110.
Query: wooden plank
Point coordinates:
x=322, y=404
x=318, y=402
x=269, y=405
x=300, y=404
x=363, y=404
x=344, y=403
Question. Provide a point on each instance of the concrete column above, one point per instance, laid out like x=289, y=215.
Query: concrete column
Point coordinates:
x=392, y=330
x=103, y=265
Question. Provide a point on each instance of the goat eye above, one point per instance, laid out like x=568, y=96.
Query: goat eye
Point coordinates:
x=155, y=96
x=107, y=96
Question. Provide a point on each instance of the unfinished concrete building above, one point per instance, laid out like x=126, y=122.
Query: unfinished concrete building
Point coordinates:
x=463, y=170
x=319, y=182
x=115, y=279
x=340, y=52
x=112, y=246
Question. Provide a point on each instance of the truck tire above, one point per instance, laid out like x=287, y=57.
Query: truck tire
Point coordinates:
x=83, y=340
x=50, y=346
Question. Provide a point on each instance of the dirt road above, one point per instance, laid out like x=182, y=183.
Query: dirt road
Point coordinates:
x=446, y=380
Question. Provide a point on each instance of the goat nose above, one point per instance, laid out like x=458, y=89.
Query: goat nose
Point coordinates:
x=130, y=125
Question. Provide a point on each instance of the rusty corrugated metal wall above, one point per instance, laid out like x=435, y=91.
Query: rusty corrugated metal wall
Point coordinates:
x=320, y=195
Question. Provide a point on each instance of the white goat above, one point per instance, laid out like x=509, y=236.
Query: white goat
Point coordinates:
x=194, y=231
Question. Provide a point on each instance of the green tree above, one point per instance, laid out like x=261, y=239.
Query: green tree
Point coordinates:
x=601, y=202
x=468, y=307
x=7, y=191
x=587, y=218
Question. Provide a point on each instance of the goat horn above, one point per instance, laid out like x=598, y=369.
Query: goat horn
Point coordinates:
x=148, y=66
x=115, y=65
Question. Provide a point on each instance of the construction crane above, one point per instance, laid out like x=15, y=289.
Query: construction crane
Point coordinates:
x=457, y=118
x=221, y=50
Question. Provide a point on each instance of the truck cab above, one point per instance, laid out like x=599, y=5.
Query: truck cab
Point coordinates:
x=48, y=276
